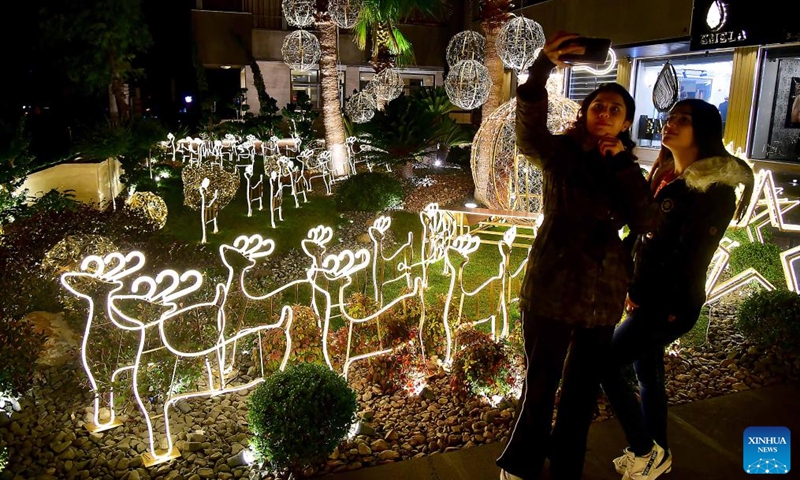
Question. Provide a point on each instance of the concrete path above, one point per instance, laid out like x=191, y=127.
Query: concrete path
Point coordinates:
x=705, y=437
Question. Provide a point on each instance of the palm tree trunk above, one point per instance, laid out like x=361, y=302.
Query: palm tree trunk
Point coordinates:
x=495, y=67
x=331, y=108
x=118, y=90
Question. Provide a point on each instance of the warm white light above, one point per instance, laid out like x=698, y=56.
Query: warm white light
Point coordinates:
x=471, y=205
x=225, y=67
x=611, y=62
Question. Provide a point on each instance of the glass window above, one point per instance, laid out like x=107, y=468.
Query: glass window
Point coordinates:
x=582, y=83
x=707, y=77
x=309, y=82
x=776, y=132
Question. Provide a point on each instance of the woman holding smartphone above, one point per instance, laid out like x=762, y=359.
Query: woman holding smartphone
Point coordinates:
x=578, y=271
x=694, y=181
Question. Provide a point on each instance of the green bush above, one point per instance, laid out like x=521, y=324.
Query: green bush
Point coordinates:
x=369, y=191
x=20, y=346
x=764, y=257
x=300, y=415
x=771, y=318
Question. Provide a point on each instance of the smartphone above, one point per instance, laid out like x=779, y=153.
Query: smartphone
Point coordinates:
x=596, y=51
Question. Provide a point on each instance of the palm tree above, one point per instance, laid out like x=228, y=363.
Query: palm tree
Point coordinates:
x=494, y=13
x=329, y=89
x=377, y=29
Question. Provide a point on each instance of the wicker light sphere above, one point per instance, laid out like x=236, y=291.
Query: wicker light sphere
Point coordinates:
x=504, y=178
x=467, y=84
x=518, y=42
x=344, y=13
x=301, y=50
x=466, y=45
x=225, y=183
x=361, y=107
x=388, y=84
x=299, y=13
x=67, y=254
x=150, y=207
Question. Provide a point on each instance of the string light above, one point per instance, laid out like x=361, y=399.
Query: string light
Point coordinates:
x=466, y=45
x=518, y=42
x=468, y=84
x=301, y=50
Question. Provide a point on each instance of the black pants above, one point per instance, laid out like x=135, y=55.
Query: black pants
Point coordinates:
x=553, y=347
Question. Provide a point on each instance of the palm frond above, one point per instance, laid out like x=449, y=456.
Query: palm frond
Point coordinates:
x=401, y=48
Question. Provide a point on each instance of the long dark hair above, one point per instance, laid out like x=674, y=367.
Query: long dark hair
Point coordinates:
x=707, y=133
x=579, y=130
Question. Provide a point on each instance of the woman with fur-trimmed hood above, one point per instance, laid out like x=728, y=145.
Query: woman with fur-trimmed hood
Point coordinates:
x=694, y=180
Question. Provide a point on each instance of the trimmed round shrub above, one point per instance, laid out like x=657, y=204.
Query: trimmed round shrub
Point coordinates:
x=771, y=318
x=300, y=415
x=764, y=257
x=369, y=192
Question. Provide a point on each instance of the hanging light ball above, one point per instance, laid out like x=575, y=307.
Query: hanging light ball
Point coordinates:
x=388, y=84
x=466, y=45
x=69, y=252
x=149, y=207
x=299, y=13
x=361, y=107
x=225, y=183
x=301, y=50
x=468, y=84
x=518, y=43
x=344, y=13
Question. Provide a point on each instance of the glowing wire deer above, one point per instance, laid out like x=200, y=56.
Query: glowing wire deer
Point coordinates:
x=150, y=290
x=341, y=268
x=98, y=278
x=462, y=247
x=377, y=233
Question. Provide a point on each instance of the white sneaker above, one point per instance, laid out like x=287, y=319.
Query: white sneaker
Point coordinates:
x=649, y=466
x=621, y=462
x=508, y=476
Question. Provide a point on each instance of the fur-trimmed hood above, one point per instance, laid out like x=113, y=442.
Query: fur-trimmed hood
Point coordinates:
x=725, y=170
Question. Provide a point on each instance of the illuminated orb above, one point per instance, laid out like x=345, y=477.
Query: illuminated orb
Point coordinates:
x=468, y=84
x=466, y=45
x=388, y=84
x=360, y=107
x=344, y=13
x=505, y=179
x=225, y=183
x=301, y=50
x=150, y=207
x=67, y=254
x=299, y=13
x=518, y=43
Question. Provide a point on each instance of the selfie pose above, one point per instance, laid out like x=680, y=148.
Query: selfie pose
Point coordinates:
x=693, y=181
x=578, y=272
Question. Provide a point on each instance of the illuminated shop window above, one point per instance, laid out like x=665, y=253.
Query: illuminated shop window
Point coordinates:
x=707, y=77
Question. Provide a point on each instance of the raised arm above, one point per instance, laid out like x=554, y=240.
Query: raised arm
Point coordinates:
x=533, y=137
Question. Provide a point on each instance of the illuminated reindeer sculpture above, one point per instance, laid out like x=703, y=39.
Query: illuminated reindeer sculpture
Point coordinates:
x=98, y=278
x=168, y=291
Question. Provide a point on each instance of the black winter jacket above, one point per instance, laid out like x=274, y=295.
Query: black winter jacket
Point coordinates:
x=671, y=263
x=578, y=271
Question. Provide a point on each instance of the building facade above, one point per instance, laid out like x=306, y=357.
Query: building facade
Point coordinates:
x=228, y=32
x=740, y=55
